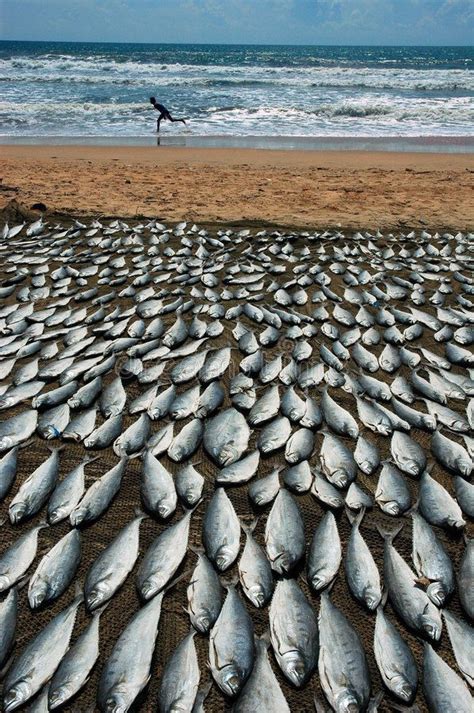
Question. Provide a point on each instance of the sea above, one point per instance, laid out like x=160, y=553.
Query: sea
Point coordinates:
x=52, y=89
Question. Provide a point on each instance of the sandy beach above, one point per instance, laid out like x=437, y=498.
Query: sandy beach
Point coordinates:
x=304, y=189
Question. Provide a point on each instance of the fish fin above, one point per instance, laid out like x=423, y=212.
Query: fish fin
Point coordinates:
x=197, y=549
x=90, y=459
x=265, y=638
x=319, y=705
x=389, y=535
x=413, y=509
x=6, y=666
x=175, y=581
x=29, y=442
x=231, y=581
x=383, y=601
x=79, y=590
x=376, y=700
x=355, y=519
x=249, y=528
x=203, y=691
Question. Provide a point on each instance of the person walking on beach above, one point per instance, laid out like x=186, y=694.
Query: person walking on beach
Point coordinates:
x=164, y=114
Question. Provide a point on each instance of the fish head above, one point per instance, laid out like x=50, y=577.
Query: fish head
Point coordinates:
x=391, y=508
x=6, y=442
x=57, y=514
x=366, y=466
x=431, y=622
x=411, y=467
x=455, y=522
x=321, y=578
x=177, y=453
x=372, y=597
x=6, y=401
x=402, y=688
x=17, y=512
x=202, y=621
x=436, y=593
x=384, y=428
x=78, y=515
x=38, y=594
x=228, y=454
x=97, y=595
x=51, y=432
x=353, y=431
x=256, y=595
x=231, y=679
x=16, y=696
x=116, y=703
x=282, y=563
x=58, y=696
x=339, y=478
x=165, y=508
x=224, y=557
x=152, y=586
x=347, y=702
x=294, y=667
x=191, y=494
x=4, y=582
x=268, y=445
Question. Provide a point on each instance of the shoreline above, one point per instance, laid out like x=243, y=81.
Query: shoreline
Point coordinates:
x=390, y=144
x=354, y=190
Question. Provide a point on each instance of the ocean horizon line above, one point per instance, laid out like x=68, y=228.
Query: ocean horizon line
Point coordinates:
x=233, y=44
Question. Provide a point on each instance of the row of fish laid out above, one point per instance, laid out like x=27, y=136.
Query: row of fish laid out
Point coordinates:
x=306, y=347
x=326, y=475
x=301, y=641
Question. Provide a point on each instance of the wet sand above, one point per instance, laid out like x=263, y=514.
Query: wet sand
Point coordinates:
x=305, y=189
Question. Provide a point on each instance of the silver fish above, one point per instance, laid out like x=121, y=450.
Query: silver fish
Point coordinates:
x=205, y=595
x=407, y=454
x=36, y=489
x=16, y=559
x=444, y=690
x=221, y=531
x=127, y=670
x=186, y=442
x=99, y=496
x=465, y=577
x=431, y=561
x=262, y=690
x=17, y=429
x=55, y=571
x=163, y=557
x=157, y=487
x=361, y=571
x=8, y=469
x=39, y=659
x=180, y=679
x=411, y=603
x=113, y=565
x=437, y=505
x=394, y=658
x=342, y=664
x=255, y=572
x=8, y=621
x=226, y=436
x=231, y=645
x=461, y=636
x=284, y=533
x=74, y=669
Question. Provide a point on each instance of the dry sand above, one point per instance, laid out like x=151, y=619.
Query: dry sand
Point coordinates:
x=307, y=189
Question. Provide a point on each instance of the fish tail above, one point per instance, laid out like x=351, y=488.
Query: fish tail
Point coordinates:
x=389, y=535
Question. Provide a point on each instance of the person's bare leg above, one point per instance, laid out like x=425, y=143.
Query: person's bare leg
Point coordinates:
x=170, y=118
x=161, y=116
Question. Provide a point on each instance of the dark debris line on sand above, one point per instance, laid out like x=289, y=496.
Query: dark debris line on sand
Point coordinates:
x=347, y=342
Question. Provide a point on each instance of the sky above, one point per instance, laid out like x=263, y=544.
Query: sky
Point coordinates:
x=354, y=22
